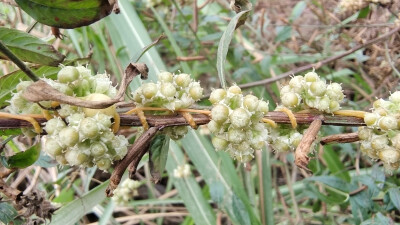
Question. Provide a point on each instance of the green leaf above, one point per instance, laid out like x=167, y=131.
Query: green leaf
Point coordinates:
x=22, y=159
x=394, y=194
x=189, y=190
x=9, y=81
x=332, y=181
x=240, y=211
x=65, y=196
x=75, y=210
x=66, y=13
x=7, y=212
x=217, y=192
x=7, y=132
x=223, y=46
x=364, y=12
x=159, y=147
x=297, y=11
x=379, y=219
x=335, y=165
x=29, y=48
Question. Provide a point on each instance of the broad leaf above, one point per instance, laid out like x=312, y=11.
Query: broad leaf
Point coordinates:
x=158, y=155
x=335, y=165
x=29, y=48
x=22, y=159
x=66, y=13
x=394, y=194
x=7, y=212
x=9, y=81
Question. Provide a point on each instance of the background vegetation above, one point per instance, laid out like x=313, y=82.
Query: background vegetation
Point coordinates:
x=345, y=187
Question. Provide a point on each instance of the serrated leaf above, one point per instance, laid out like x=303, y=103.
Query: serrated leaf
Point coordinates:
x=7, y=212
x=159, y=147
x=66, y=13
x=29, y=48
x=223, y=46
x=9, y=81
x=22, y=159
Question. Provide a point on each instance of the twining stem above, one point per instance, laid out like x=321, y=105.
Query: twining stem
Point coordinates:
x=117, y=123
x=18, y=62
x=270, y=122
x=31, y=120
x=358, y=114
x=290, y=114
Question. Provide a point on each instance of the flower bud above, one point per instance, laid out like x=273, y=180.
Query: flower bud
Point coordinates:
x=364, y=133
x=219, y=143
x=68, y=74
x=165, y=77
x=217, y=95
x=311, y=77
x=103, y=163
x=236, y=135
x=239, y=118
x=69, y=136
x=196, y=92
x=388, y=123
x=98, y=149
x=250, y=102
x=290, y=99
x=379, y=142
x=110, y=111
x=182, y=80
x=395, y=97
x=318, y=88
x=235, y=89
x=52, y=147
x=76, y=157
x=389, y=155
x=21, y=86
x=149, y=90
x=88, y=127
x=53, y=126
x=219, y=113
x=168, y=90
x=263, y=107
x=370, y=118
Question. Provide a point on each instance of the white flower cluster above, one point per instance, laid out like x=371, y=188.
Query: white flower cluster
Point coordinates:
x=311, y=92
x=235, y=122
x=83, y=137
x=182, y=171
x=126, y=191
x=172, y=91
x=284, y=138
x=381, y=138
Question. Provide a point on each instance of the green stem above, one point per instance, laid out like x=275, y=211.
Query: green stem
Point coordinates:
x=18, y=62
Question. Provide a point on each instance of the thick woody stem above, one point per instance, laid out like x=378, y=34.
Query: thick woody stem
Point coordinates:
x=302, y=150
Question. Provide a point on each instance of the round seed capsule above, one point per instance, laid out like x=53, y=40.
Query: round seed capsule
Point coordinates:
x=103, y=163
x=196, y=92
x=364, y=133
x=250, y=102
x=240, y=118
x=318, y=88
x=311, y=77
x=370, y=118
x=214, y=127
x=235, y=89
x=236, y=135
x=219, y=143
x=54, y=125
x=98, y=149
x=389, y=155
x=69, y=136
x=168, y=90
x=182, y=80
x=88, y=127
x=388, y=123
x=110, y=111
x=217, y=95
x=52, y=147
x=68, y=74
x=75, y=157
x=396, y=141
x=219, y=113
x=290, y=99
x=379, y=142
x=149, y=90
x=165, y=77
x=263, y=107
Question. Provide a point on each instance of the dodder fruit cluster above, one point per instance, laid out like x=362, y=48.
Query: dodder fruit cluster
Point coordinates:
x=126, y=191
x=236, y=123
x=172, y=91
x=381, y=138
x=311, y=92
x=284, y=138
x=84, y=136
